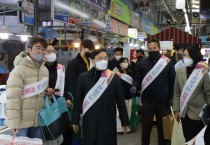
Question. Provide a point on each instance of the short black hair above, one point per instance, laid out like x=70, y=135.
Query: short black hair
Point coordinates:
x=120, y=61
x=36, y=39
x=140, y=51
x=118, y=49
x=96, y=52
x=155, y=41
x=178, y=46
x=87, y=43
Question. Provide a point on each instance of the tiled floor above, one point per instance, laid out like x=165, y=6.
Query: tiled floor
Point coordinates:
x=135, y=138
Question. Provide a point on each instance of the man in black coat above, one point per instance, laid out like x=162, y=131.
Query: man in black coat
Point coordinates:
x=79, y=64
x=99, y=121
x=157, y=96
x=76, y=66
x=118, y=53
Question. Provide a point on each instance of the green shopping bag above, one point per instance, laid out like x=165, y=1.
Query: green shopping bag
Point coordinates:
x=134, y=120
x=79, y=134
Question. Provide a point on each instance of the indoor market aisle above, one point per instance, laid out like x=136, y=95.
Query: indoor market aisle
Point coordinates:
x=135, y=138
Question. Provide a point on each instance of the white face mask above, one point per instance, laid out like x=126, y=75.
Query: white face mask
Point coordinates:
x=124, y=65
x=117, y=57
x=188, y=62
x=102, y=64
x=51, y=57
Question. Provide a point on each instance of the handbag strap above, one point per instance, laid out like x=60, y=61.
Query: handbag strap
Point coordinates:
x=172, y=112
x=47, y=103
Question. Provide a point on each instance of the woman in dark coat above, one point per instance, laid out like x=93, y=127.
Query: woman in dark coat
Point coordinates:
x=99, y=122
x=51, y=65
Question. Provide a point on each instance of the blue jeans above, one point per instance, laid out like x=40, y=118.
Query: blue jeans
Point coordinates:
x=31, y=132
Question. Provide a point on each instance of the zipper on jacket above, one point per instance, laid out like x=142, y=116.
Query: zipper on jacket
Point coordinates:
x=36, y=102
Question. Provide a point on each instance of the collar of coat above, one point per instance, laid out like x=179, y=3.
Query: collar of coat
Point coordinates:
x=80, y=59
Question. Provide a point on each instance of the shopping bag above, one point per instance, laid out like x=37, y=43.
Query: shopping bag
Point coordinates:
x=50, y=120
x=168, y=122
x=65, y=115
x=58, y=141
x=177, y=133
x=134, y=120
x=11, y=140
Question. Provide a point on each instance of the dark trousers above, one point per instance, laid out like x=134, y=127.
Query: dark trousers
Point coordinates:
x=67, y=136
x=191, y=127
x=148, y=111
x=207, y=135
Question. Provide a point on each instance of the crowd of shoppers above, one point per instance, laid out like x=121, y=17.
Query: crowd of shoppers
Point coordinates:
x=93, y=86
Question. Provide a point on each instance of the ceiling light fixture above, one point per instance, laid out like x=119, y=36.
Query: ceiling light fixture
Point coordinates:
x=4, y=31
x=24, y=34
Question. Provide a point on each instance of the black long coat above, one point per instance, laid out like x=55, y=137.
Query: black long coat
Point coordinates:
x=74, y=68
x=99, y=122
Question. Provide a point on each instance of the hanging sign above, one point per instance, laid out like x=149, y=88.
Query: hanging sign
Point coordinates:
x=132, y=33
x=120, y=11
x=144, y=5
x=26, y=16
x=101, y=5
x=58, y=13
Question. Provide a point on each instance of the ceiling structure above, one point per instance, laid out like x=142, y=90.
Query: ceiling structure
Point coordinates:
x=167, y=7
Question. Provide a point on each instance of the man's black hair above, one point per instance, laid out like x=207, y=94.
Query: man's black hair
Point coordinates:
x=87, y=43
x=118, y=49
x=155, y=41
x=178, y=46
x=36, y=39
x=96, y=52
x=140, y=51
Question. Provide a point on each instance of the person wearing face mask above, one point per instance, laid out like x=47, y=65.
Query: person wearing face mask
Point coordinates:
x=155, y=82
x=126, y=76
x=135, y=62
x=56, y=85
x=98, y=92
x=194, y=81
x=23, y=100
x=118, y=53
x=80, y=64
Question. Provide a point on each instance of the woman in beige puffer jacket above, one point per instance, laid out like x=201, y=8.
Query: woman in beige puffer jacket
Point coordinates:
x=22, y=113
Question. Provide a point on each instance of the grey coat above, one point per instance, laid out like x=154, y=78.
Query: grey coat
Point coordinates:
x=200, y=95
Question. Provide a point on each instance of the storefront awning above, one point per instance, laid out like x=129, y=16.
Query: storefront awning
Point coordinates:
x=177, y=36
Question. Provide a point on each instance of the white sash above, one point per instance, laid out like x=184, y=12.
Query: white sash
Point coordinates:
x=126, y=78
x=190, y=85
x=154, y=72
x=60, y=80
x=97, y=90
x=35, y=88
x=179, y=64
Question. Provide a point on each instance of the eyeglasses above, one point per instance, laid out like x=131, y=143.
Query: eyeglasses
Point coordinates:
x=50, y=51
x=101, y=58
x=40, y=48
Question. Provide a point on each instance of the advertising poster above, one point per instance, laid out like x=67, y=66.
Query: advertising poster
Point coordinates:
x=58, y=13
x=86, y=10
x=74, y=18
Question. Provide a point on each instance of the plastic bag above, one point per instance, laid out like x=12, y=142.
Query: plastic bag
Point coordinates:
x=10, y=140
x=177, y=134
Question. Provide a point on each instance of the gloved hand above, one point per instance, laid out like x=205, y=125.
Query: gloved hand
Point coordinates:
x=133, y=91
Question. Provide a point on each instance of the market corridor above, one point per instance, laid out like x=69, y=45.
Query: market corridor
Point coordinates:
x=135, y=137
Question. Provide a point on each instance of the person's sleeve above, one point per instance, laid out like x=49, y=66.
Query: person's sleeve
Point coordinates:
x=171, y=78
x=120, y=100
x=78, y=101
x=70, y=81
x=207, y=87
x=139, y=77
x=14, y=99
x=177, y=94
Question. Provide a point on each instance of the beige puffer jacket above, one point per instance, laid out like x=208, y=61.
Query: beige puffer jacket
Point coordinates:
x=22, y=113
